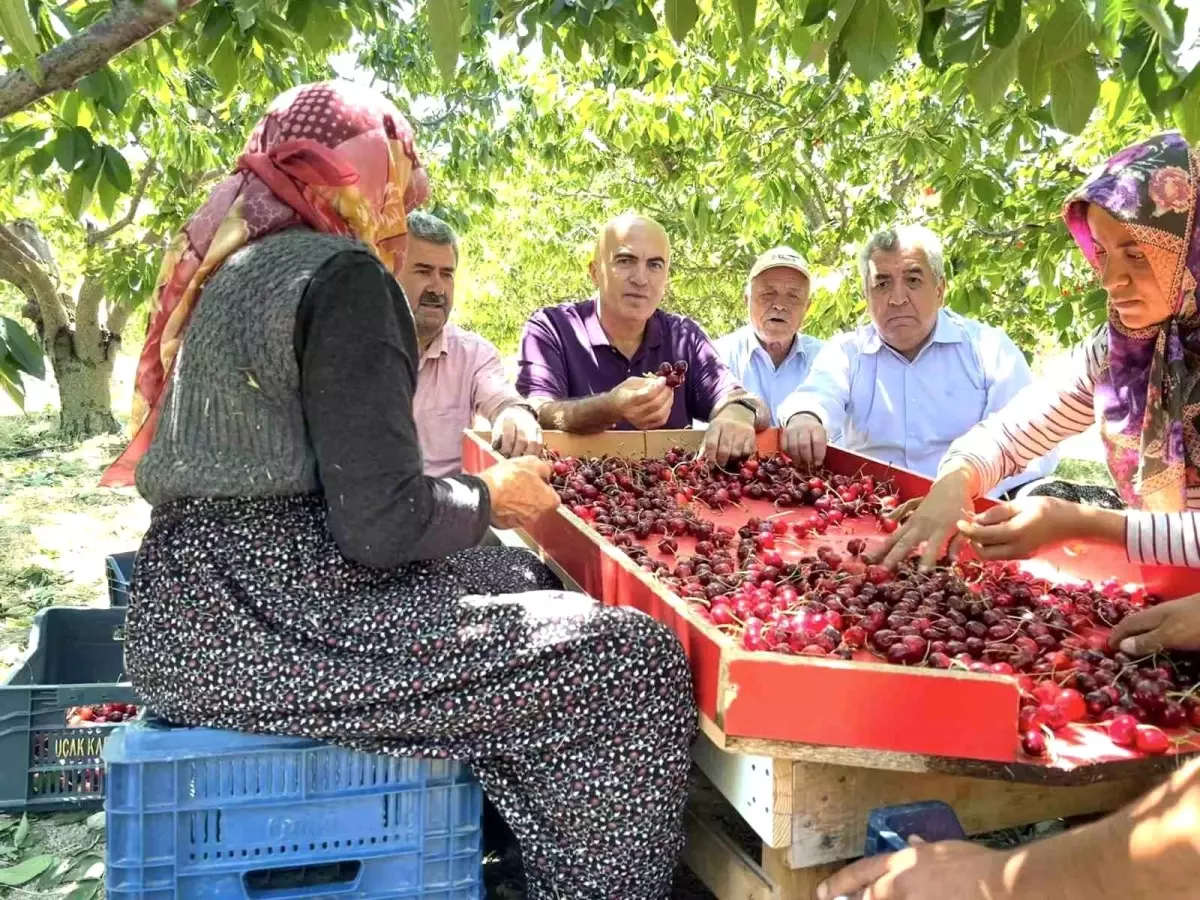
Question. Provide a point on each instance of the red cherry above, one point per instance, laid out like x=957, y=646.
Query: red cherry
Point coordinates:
x=1152, y=740
x=1034, y=743
x=1122, y=731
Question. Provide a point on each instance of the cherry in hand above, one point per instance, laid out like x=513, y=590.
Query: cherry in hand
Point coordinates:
x=673, y=373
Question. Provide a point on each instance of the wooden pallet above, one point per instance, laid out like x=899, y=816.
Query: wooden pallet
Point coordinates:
x=810, y=817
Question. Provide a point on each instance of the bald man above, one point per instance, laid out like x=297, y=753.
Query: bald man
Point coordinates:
x=594, y=365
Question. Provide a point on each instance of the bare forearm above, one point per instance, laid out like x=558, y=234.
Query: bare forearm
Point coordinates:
x=586, y=415
x=1149, y=849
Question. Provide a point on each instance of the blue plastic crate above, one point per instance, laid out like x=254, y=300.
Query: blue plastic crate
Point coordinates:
x=197, y=813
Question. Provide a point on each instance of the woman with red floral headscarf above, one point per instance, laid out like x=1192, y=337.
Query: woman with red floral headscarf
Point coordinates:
x=302, y=576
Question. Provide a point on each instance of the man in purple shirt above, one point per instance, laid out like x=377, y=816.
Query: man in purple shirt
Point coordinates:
x=594, y=365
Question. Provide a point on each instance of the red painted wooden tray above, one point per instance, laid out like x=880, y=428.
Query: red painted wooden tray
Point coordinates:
x=859, y=704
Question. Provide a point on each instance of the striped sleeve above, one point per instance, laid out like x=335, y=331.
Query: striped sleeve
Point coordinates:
x=1163, y=539
x=1034, y=422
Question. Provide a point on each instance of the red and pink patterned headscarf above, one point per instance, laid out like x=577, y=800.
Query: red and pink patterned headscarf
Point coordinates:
x=334, y=156
x=1148, y=402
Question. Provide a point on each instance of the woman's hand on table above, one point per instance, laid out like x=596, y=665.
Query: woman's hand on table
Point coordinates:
x=520, y=491
x=937, y=871
x=932, y=522
x=1168, y=626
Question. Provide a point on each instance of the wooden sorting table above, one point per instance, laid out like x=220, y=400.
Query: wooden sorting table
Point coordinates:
x=803, y=749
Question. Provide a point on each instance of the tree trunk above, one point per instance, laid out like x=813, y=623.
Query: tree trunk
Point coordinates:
x=84, y=395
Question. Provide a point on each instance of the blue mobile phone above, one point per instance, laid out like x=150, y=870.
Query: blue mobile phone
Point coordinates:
x=890, y=827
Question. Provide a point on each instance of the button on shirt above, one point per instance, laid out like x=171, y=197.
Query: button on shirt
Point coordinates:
x=752, y=365
x=877, y=403
x=565, y=355
x=461, y=376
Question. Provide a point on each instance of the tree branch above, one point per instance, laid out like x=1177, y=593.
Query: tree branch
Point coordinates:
x=746, y=95
x=128, y=24
x=95, y=238
x=21, y=266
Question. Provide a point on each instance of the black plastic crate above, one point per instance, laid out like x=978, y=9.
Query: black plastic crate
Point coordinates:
x=119, y=569
x=75, y=659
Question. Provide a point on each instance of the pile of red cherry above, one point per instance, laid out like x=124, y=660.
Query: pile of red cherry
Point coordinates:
x=100, y=714
x=982, y=617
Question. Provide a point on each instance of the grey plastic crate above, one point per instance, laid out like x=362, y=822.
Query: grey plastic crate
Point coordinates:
x=118, y=569
x=75, y=658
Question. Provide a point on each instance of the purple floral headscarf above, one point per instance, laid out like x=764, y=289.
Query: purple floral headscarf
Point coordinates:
x=1148, y=400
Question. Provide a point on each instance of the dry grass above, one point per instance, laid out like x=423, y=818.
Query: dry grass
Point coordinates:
x=56, y=523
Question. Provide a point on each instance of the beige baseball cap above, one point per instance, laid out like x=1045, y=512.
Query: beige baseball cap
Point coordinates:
x=780, y=257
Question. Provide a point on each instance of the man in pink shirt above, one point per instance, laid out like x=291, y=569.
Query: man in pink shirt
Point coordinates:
x=461, y=375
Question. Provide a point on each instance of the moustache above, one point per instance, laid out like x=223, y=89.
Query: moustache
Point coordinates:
x=429, y=298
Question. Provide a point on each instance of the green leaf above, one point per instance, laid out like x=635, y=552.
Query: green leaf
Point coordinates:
x=16, y=26
x=1187, y=115
x=816, y=11
x=985, y=189
x=71, y=147
x=1074, y=92
x=1068, y=31
x=1003, y=22
x=931, y=23
x=26, y=870
x=1033, y=68
x=747, y=17
x=108, y=195
x=21, y=140
x=83, y=183
x=445, y=32
x=10, y=383
x=681, y=16
x=1064, y=316
x=989, y=79
x=1108, y=18
x=841, y=16
x=27, y=354
x=23, y=828
x=837, y=60
x=225, y=65
x=85, y=891
x=39, y=161
x=962, y=41
x=872, y=39
x=1153, y=15
x=217, y=25
x=116, y=170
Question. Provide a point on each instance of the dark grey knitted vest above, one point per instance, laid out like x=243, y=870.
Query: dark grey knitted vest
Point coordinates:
x=232, y=424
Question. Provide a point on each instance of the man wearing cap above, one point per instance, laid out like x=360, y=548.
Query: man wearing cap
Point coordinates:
x=903, y=387
x=771, y=356
x=617, y=360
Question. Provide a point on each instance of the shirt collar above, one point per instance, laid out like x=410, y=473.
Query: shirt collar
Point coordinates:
x=947, y=330
x=438, y=348
x=595, y=331
x=798, y=347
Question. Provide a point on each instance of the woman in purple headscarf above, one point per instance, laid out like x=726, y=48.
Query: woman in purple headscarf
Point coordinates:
x=1138, y=377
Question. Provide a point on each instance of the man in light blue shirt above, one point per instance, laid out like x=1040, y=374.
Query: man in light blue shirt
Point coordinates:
x=770, y=356
x=901, y=388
